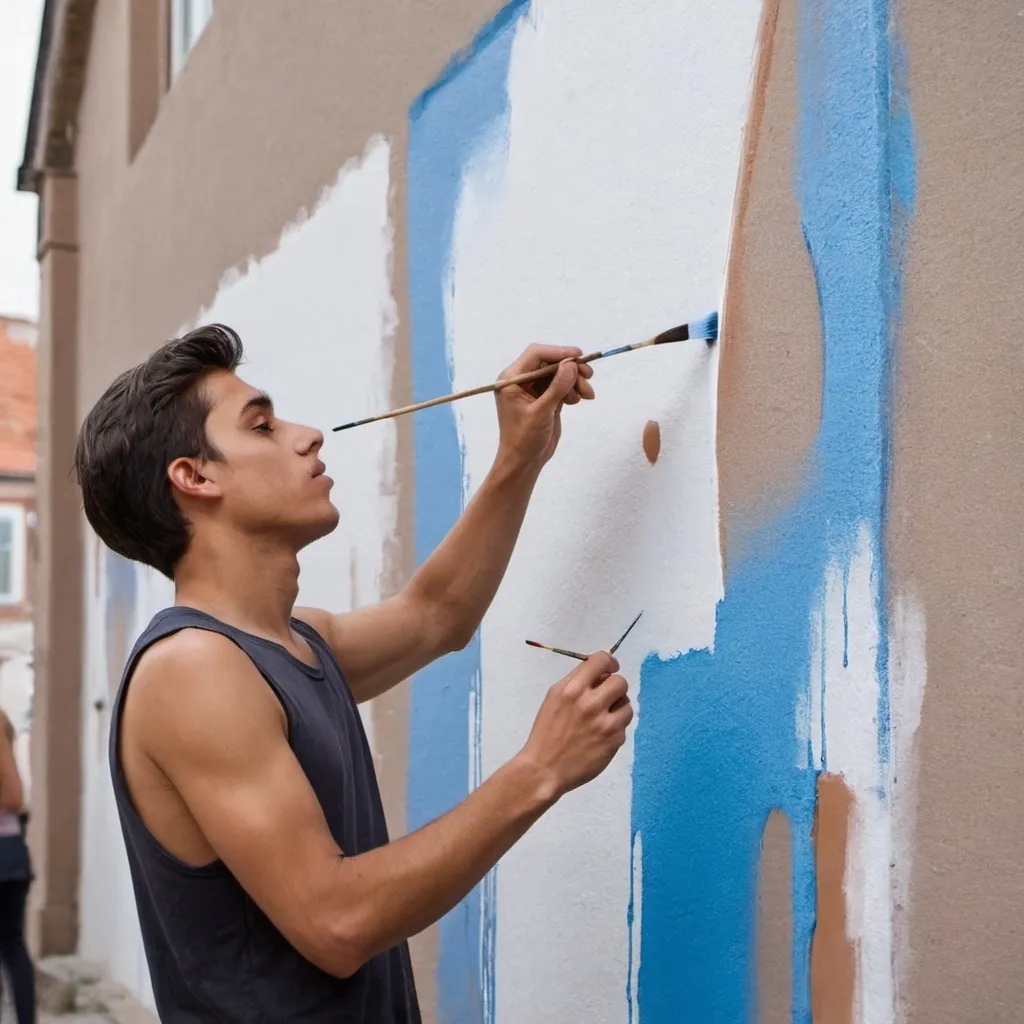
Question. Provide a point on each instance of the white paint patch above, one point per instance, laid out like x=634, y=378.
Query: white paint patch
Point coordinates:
x=109, y=927
x=852, y=690
x=869, y=907
x=636, y=930
x=317, y=318
x=606, y=220
x=881, y=837
x=851, y=694
x=908, y=673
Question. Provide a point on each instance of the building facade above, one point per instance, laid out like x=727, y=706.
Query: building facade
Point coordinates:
x=819, y=812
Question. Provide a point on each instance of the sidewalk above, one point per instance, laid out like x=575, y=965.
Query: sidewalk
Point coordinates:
x=74, y=991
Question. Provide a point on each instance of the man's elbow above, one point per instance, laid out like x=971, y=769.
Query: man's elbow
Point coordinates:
x=456, y=638
x=445, y=625
x=449, y=634
x=339, y=948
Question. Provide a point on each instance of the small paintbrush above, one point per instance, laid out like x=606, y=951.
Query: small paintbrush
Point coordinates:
x=705, y=329
x=576, y=654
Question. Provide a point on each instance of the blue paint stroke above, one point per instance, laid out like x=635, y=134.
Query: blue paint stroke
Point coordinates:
x=716, y=745
x=448, y=126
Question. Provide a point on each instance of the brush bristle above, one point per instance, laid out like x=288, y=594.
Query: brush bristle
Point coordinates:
x=680, y=333
x=707, y=328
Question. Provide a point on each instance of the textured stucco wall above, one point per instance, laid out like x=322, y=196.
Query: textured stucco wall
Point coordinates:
x=817, y=814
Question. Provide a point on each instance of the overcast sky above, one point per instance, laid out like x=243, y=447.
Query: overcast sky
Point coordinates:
x=19, y=273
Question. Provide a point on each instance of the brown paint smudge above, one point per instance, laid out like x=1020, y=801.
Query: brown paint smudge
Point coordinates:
x=391, y=709
x=769, y=383
x=832, y=952
x=775, y=922
x=652, y=441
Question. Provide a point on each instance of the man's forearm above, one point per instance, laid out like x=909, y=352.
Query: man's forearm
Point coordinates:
x=459, y=580
x=398, y=890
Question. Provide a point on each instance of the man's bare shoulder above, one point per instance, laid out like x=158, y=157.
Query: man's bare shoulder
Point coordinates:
x=196, y=682
x=188, y=656
x=318, y=619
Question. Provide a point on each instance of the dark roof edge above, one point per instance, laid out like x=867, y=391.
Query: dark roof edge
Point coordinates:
x=28, y=172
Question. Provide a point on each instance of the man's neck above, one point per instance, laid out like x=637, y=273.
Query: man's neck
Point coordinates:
x=250, y=583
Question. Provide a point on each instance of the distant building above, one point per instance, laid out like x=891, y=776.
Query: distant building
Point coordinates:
x=17, y=520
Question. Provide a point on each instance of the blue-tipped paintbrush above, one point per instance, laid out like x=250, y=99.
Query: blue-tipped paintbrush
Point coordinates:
x=705, y=329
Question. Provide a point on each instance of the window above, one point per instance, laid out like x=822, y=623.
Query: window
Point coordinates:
x=188, y=19
x=12, y=554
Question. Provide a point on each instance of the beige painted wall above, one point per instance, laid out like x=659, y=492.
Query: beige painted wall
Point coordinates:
x=956, y=527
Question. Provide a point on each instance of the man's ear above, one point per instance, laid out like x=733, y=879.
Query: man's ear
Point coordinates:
x=188, y=477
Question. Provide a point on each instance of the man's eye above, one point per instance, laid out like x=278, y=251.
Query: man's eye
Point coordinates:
x=265, y=428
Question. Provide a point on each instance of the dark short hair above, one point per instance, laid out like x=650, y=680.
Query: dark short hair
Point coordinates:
x=151, y=415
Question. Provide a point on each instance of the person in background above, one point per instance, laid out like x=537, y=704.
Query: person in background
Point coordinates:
x=15, y=879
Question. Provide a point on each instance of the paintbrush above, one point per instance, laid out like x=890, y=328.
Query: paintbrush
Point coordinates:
x=615, y=646
x=559, y=650
x=576, y=654
x=705, y=329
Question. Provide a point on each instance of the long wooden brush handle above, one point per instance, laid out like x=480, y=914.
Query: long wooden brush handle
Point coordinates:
x=498, y=385
x=706, y=329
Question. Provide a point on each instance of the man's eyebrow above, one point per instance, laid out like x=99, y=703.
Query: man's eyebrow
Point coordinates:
x=260, y=401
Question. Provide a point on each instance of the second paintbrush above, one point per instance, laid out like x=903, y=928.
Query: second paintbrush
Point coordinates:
x=705, y=329
x=576, y=654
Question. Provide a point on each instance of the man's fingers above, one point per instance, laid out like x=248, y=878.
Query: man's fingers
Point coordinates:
x=584, y=388
x=610, y=691
x=562, y=385
x=537, y=356
x=597, y=667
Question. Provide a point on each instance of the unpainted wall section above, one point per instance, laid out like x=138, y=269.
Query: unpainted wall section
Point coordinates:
x=955, y=524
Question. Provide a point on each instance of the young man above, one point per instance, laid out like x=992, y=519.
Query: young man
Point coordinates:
x=266, y=886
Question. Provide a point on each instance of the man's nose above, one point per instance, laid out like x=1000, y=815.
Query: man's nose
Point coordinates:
x=312, y=440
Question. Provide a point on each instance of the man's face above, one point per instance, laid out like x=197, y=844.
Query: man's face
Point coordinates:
x=270, y=480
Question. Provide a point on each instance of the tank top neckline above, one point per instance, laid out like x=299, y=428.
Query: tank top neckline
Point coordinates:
x=304, y=630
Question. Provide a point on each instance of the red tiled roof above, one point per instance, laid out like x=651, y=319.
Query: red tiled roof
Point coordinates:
x=17, y=396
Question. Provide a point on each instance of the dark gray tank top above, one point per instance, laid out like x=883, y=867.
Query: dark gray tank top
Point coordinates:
x=213, y=954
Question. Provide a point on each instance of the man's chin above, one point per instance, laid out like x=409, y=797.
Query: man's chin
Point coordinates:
x=322, y=526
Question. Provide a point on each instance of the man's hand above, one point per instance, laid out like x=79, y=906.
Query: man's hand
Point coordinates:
x=580, y=725
x=529, y=415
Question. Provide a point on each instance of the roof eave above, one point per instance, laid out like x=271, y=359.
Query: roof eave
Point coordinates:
x=57, y=90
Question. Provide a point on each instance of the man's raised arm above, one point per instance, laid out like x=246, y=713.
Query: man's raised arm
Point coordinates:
x=443, y=604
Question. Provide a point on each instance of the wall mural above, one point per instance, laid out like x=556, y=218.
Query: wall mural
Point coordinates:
x=573, y=175
x=589, y=177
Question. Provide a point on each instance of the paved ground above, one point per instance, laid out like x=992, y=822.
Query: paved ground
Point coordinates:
x=75, y=1018
x=74, y=991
